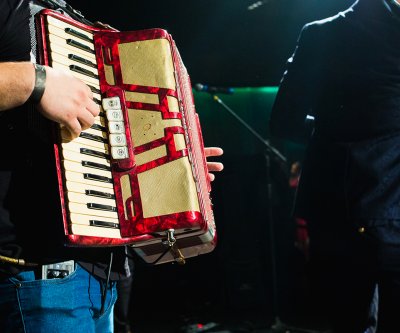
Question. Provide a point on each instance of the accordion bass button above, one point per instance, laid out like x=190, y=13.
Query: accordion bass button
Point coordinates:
x=119, y=153
x=114, y=115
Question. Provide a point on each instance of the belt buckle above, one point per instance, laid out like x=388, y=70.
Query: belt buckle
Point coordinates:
x=58, y=270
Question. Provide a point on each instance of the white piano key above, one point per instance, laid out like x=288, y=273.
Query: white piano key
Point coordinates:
x=59, y=45
x=79, y=178
x=87, y=143
x=84, y=210
x=60, y=32
x=63, y=59
x=85, y=219
x=78, y=143
x=85, y=199
x=78, y=167
x=62, y=25
x=82, y=188
x=87, y=79
x=78, y=157
x=82, y=230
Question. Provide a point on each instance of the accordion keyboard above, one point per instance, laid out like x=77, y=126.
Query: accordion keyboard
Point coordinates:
x=89, y=192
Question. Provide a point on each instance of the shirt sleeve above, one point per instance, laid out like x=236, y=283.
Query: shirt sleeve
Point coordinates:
x=297, y=90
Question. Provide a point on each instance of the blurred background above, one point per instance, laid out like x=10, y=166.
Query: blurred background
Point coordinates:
x=256, y=273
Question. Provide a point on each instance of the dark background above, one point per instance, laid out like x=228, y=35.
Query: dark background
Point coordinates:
x=222, y=43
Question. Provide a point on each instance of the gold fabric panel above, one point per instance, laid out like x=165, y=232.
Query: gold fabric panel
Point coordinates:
x=147, y=63
x=109, y=73
x=167, y=189
x=141, y=97
x=147, y=126
x=180, y=142
x=173, y=104
x=126, y=194
x=151, y=155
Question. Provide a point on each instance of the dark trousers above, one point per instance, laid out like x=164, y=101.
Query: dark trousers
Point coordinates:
x=346, y=266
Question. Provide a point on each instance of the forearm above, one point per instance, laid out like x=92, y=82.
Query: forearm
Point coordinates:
x=16, y=83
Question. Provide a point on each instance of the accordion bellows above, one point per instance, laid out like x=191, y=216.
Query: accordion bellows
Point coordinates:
x=138, y=176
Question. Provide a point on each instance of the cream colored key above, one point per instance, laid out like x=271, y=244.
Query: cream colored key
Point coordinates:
x=59, y=45
x=79, y=178
x=78, y=157
x=84, y=210
x=60, y=32
x=81, y=188
x=83, y=230
x=63, y=59
x=85, y=199
x=77, y=144
x=62, y=25
x=78, y=167
x=87, y=79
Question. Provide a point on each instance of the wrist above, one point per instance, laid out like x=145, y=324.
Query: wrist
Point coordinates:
x=40, y=84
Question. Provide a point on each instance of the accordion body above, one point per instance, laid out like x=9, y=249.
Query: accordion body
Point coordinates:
x=138, y=176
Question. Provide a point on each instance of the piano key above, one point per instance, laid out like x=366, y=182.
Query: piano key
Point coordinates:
x=67, y=61
x=105, y=208
x=62, y=25
x=100, y=131
x=84, y=188
x=60, y=45
x=96, y=165
x=93, y=137
x=92, y=152
x=76, y=156
x=87, y=79
x=98, y=127
x=82, y=61
x=83, y=71
x=85, y=143
x=85, y=199
x=78, y=167
x=76, y=33
x=63, y=34
x=79, y=208
x=80, y=45
x=79, y=178
x=92, y=176
x=99, y=194
x=96, y=223
x=85, y=219
x=83, y=230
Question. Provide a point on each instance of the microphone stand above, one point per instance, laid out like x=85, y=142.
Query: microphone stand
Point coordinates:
x=278, y=326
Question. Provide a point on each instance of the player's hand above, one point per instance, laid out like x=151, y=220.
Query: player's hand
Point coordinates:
x=213, y=166
x=68, y=101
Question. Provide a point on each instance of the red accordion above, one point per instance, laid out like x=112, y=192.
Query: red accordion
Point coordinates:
x=138, y=176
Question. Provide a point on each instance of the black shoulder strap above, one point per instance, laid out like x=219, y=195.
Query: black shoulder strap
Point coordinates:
x=65, y=8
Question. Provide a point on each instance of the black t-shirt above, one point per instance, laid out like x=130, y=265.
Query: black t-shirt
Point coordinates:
x=31, y=225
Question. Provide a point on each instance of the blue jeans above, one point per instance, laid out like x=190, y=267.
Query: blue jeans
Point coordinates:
x=65, y=305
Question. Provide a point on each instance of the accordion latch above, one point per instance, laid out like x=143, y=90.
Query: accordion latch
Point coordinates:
x=170, y=243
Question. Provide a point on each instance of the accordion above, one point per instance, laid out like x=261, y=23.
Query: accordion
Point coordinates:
x=138, y=176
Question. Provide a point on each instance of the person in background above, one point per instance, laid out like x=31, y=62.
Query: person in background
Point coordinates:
x=345, y=74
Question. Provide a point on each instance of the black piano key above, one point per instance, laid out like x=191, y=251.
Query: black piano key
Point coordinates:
x=93, y=137
x=101, y=207
x=97, y=101
x=82, y=60
x=99, y=194
x=78, y=34
x=102, y=114
x=95, y=90
x=98, y=127
x=94, y=153
x=98, y=178
x=96, y=223
x=78, y=45
x=80, y=70
x=96, y=165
